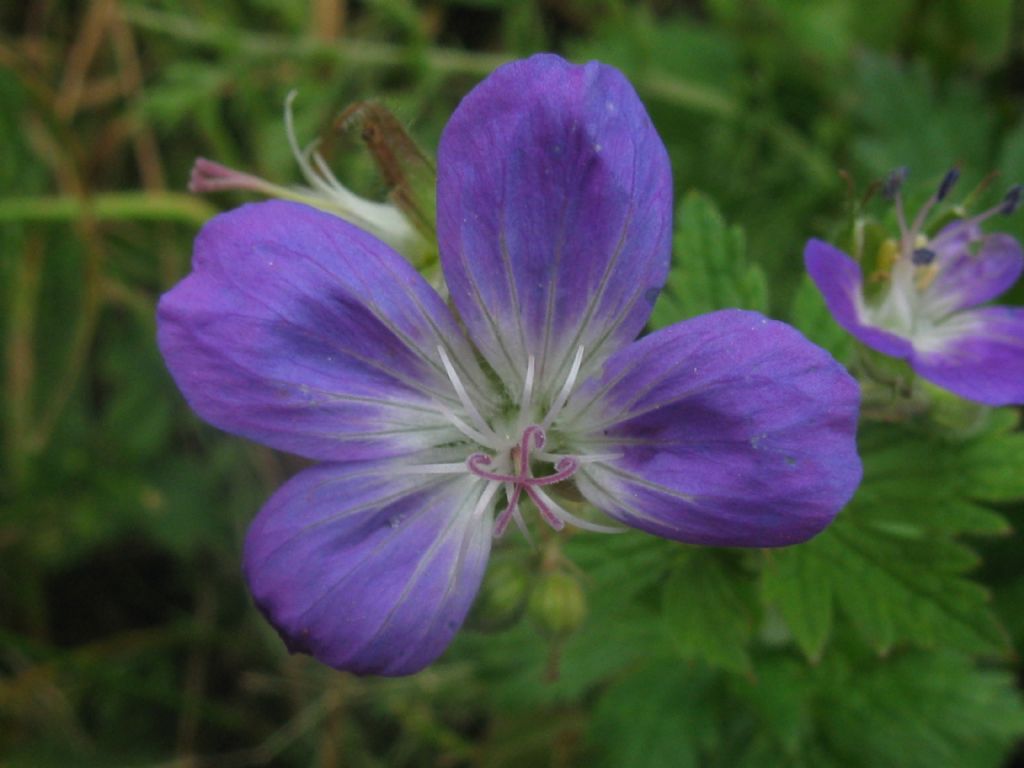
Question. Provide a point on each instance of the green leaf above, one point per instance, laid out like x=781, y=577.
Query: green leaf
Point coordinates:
x=854, y=710
x=994, y=468
x=812, y=317
x=909, y=121
x=800, y=584
x=892, y=589
x=904, y=589
x=923, y=483
x=656, y=718
x=710, y=269
x=924, y=710
x=708, y=612
x=891, y=562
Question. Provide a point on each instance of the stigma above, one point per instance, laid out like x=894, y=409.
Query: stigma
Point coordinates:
x=519, y=479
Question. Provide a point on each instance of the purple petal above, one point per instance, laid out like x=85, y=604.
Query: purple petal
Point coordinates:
x=730, y=430
x=366, y=569
x=554, y=204
x=841, y=283
x=979, y=355
x=966, y=279
x=301, y=331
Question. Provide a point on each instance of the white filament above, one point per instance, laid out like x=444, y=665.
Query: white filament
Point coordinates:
x=382, y=219
x=567, y=517
x=524, y=406
x=486, y=435
x=485, y=499
x=452, y=468
x=563, y=396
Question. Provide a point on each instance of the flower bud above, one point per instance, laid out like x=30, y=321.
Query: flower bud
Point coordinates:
x=557, y=605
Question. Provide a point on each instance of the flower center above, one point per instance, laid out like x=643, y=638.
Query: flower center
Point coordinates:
x=523, y=481
x=910, y=265
x=507, y=464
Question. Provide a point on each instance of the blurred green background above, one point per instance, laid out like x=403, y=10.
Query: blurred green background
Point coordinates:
x=126, y=635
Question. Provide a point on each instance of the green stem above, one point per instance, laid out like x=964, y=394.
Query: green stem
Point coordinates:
x=127, y=206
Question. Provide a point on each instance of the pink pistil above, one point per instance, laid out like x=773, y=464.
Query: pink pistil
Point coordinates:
x=523, y=481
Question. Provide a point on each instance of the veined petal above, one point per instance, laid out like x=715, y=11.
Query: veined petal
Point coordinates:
x=366, y=568
x=554, y=203
x=301, y=331
x=841, y=282
x=966, y=279
x=977, y=354
x=730, y=430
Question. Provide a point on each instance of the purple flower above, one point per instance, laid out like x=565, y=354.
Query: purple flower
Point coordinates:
x=928, y=311
x=554, y=200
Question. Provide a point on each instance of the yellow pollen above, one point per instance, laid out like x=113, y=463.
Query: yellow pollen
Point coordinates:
x=888, y=255
x=924, y=276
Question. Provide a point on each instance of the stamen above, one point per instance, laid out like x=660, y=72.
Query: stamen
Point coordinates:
x=563, y=395
x=1012, y=200
x=517, y=515
x=329, y=178
x=592, y=457
x=1010, y=203
x=467, y=403
x=462, y=426
x=893, y=182
x=301, y=155
x=919, y=220
x=453, y=468
x=948, y=181
x=524, y=406
x=544, y=505
x=891, y=191
x=567, y=517
x=485, y=499
x=925, y=277
x=922, y=257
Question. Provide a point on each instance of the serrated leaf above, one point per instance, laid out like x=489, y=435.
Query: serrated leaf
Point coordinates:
x=811, y=316
x=710, y=270
x=800, y=584
x=656, y=718
x=708, y=612
x=910, y=121
x=891, y=562
x=924, y=483
x=924, y=710
x=893, y=588
x=995, y=468
x=859, y=711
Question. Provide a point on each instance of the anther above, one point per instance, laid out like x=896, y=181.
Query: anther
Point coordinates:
x=894, y=182
x=1012, y=200
x=922, y=257
x=948, y=182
